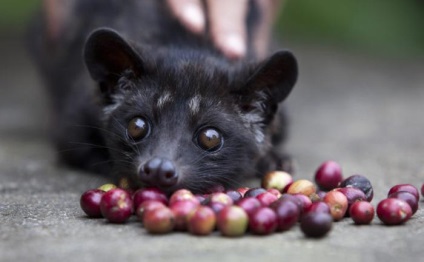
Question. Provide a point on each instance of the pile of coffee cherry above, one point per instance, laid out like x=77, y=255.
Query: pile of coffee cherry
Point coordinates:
x=277, y=206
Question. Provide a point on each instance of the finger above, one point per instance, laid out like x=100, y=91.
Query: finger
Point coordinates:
x=262, y=31
x=57, y=15
x=52, y=11
x=190, y=13
x=228, y=26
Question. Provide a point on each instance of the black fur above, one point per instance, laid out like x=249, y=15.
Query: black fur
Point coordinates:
x=149, y=57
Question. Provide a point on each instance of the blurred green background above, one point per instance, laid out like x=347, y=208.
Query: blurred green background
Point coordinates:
x=381, y=27
x=384, y=27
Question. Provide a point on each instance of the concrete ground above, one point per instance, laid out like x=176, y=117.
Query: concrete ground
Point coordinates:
x=366, y=113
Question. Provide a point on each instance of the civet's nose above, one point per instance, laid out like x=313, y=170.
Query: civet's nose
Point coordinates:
x=159, y=172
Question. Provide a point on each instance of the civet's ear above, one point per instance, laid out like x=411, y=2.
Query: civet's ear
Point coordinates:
x=269, y=85
x=108, y=56
x=276, y=77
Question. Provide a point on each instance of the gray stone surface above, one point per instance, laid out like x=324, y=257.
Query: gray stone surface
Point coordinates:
x=364, y=112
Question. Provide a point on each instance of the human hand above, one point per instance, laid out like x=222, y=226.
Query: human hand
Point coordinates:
x=57, y=14
x=227, y=21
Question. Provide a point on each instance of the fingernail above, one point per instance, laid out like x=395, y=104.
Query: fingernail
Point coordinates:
x=234, y=47
x=194, y=18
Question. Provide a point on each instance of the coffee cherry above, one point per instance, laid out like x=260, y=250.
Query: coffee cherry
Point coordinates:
x=302, y=186
x=219, y=197
x=405, y=187
x=216, y=206
x=263, y=221
x=152, y=193
x=249, y=205
x=232, y=221
x=234, y=195
x=287, y=214
x=90, y=202
x=201, y=221
x=337, y=202
x=201, y=198
x=181, y=210
x=318, y=207
x=352, y=194
x=116, y=205
x=362, y=212
x=274, y=192
x=408, y=198
x=321, y=194
x=182, y=194
x=422, y=190
x=124, y=183
x=306, y=202
x=328, y=175
x=393, y=211
x=253, y=192
x=315, y=198
x=159, y=220
x=294, y=199
x=107, y=187
x=266, y=198
x=242, y=190
x=147, y=206
x=361, y=182
x=276, y=179
x=316, y=224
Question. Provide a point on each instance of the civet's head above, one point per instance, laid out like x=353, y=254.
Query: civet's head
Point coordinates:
x=185, y=119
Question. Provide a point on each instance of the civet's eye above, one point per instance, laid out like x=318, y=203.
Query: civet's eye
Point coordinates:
x=138, y=128
x=209, y=139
